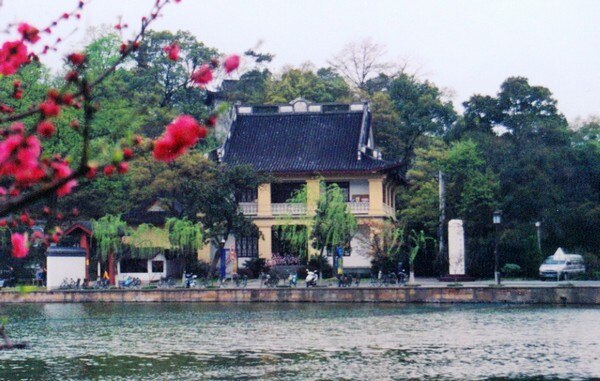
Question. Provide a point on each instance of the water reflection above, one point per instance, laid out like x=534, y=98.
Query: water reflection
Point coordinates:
x=300, y=341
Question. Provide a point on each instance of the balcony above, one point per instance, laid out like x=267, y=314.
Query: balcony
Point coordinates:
x=358, y=207
x=288, y=208
x=248, y=208
x=389, y=211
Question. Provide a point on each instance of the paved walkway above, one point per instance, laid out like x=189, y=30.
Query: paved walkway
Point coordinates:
x=433, y=282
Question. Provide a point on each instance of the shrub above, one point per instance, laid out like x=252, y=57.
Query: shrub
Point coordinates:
x=325, y=266
x=511, y=270
x=200, y=268
x=256, y=266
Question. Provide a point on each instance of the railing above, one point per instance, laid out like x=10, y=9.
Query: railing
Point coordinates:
x=389, y=210
x=358, y=207
x=288, y=208
x=248, y=208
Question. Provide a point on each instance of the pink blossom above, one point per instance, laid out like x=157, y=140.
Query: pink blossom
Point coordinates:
x=231, y=63
x=19, y=245
x=203, y=75
x=29, y=32
x=12, y=55
x=67, y=188
x=172, y=51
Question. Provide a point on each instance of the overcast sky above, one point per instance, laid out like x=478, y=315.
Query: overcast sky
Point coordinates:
x=466, y=46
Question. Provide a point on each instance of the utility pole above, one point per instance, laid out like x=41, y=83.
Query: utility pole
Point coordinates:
x=442, y=216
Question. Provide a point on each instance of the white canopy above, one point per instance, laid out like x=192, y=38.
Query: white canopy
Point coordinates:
x=559, y=255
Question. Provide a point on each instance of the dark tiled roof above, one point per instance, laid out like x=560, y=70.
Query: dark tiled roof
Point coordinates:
x=301, y=142
x=141, y=214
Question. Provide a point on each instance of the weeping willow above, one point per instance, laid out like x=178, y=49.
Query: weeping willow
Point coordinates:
x=334, y=225
x=142, y=241
x=108, y=233
x=295, y=237
x=185, y=236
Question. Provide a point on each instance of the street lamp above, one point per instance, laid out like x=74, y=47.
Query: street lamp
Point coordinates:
x=538, y=228
x=497, y=219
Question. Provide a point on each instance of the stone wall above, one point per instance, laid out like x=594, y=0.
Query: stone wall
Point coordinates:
x=533, y=295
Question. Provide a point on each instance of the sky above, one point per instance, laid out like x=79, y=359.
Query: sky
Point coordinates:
x=466, y=47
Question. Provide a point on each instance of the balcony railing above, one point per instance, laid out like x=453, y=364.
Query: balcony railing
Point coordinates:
x=248, y=208
x=358, y=207
x=251, y=208
x=288, y=208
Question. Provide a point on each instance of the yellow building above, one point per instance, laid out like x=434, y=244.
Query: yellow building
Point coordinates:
x=300, y=144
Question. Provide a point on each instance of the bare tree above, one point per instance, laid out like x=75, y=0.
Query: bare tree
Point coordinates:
x=358, y=62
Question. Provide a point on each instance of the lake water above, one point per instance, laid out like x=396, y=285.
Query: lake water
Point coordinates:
x=300, y=342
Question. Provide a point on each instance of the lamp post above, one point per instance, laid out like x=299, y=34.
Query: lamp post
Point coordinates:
x=538, y=228
x=497, y=219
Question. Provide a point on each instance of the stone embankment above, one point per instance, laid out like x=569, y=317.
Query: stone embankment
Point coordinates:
x=521, y=295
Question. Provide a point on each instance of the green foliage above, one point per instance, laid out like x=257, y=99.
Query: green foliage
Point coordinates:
x=418, y=241
x=333, y=225
x=185, y=236
x=321, y=87
x=291, y=236
x=141, y=243
x=256, y=266
x=511, y=270
x=108, y=234
x=387, y=247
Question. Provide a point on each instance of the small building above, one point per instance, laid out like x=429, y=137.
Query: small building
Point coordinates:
x=64, y=263
x=303, y=144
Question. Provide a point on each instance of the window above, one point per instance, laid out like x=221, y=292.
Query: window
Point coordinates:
x=246, y=247
x=282, y=192
x=134, y=265
x=248, y=195
x=158, y=266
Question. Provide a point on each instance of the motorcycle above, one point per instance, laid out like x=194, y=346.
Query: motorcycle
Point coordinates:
x=190, y=280
x=311, y=278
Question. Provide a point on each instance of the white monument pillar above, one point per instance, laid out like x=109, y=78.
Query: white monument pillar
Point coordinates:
x=456, y=247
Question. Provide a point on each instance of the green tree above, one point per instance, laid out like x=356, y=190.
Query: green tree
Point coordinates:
x=333, y=225
x=412, y=109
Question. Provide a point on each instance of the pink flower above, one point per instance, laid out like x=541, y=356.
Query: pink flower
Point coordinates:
x=122, y=168
x=203, y=75
x=76, y=58
x=45, y=129
x=19, y=245
x=29, y=32
x=49, y=108
x=12, y=55
x=231, y=63
x=67, y=188
x=172, y=51
x=181, y=134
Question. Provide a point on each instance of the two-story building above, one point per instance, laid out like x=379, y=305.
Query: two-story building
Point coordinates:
x=302, y=144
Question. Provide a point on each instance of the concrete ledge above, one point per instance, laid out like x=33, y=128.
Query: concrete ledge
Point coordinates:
x=521, y=295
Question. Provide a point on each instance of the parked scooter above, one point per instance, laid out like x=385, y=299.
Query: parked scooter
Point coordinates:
x=311, y=278
x=130, y=282
x=190, y=280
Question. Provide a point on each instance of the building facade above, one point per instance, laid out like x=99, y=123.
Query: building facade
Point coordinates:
x=303, y=144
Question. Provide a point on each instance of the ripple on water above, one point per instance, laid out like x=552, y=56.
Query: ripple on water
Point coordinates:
x=300, y=341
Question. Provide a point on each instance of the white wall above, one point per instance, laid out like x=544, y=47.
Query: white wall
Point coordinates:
x=359, y=256
x=170, y=268
x=60, y=268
